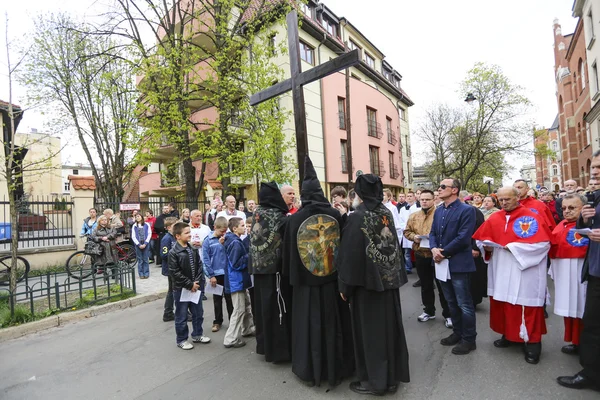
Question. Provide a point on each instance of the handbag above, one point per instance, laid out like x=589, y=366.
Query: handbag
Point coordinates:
x=93, y=248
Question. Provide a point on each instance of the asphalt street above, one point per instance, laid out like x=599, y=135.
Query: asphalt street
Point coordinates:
x=131, y=354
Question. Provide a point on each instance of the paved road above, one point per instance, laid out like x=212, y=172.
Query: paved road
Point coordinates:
x=131, y=354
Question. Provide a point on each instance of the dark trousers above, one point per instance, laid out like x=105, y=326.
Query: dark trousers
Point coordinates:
x=458, y=295
x=589, y=351
x=169, y=299
x=426, y=272
x=218, y=303
x=156, y=249
x=181, y=317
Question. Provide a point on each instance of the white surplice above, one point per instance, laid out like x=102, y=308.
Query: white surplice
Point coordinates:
x=404, y=214
x=569, y=292
x=518, y=276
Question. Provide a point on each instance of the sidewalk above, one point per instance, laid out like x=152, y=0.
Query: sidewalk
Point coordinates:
x=156, y=283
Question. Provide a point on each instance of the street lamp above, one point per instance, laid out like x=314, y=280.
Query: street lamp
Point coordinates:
x=470, y=98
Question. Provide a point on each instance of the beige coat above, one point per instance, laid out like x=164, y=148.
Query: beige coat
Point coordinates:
x=419, y=223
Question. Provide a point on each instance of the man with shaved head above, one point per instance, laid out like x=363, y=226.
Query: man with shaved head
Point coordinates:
x=289, y=196
x=230, y=210
x=570, y=188
x=534, y=204
x=516, y=241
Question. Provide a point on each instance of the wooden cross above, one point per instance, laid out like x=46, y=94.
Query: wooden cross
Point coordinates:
x=298, y=80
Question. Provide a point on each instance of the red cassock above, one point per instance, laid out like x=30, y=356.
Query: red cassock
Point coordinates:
x=539, y=207
x=517, y=272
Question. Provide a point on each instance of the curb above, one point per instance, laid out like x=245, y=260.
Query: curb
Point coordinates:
x=54, y=321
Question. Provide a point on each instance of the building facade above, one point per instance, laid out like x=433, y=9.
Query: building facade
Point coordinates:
x=528, y=174
x=547, y=150
x=78, y=170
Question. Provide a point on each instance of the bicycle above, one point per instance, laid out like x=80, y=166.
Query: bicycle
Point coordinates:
x=80, y=265
x=23, y=268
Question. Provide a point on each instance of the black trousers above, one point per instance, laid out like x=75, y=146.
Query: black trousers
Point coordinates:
x=218, y=303
x=426, y=272
x=157, y=248
x=589, y=348
x=169, y=301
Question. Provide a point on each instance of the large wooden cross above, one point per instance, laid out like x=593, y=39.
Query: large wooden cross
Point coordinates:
x=298, y=80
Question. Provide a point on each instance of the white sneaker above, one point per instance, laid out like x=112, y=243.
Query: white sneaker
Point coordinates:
x=425, y=317
x=201, y=339
x=185, y=345
x=448, y=323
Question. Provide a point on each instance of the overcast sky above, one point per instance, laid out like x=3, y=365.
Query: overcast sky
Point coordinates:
x=431, y=43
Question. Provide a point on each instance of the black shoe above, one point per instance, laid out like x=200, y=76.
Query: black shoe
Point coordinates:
x=532, y=353
x=168, y=317
x=576, y=381
x=150, y=261
x=451, y=340
x=570, y=349
x=204, y=298
x=463, y=348
x=407, y=273
x=356, y=387
x=417, y=283
x=392, y=389
x=502, y=342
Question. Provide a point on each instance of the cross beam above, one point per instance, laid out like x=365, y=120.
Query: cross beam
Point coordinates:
x=298, y=80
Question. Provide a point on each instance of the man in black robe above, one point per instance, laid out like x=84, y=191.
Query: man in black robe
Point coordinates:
x=322, y=334
x=370, y=272
x=272, y=294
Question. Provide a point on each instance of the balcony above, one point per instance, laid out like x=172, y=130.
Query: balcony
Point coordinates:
x=394, y=173
x=391, y=137
x=374, y=129
x=342, y=120
x=345, y=165
x=377, y=168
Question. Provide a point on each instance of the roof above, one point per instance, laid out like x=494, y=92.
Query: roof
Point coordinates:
x=4, y=105
x=214, y=184
x=554, y=124
x=82, y=182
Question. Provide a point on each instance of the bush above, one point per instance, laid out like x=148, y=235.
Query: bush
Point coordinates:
x=21, y=315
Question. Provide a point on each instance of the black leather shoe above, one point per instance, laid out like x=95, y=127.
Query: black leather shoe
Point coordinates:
x=576, y=381
x=417, y=283
x=356, y=387
x=168, y=317
x=451, y=340
x=502, y=342
x=570, y=349
x=392, y=389
x=408, y=272
x=532, y=357
x=463, y=348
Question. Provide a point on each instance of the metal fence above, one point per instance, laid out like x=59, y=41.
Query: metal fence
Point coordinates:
x=155, y=204
x=45, y=294
x=42, y=221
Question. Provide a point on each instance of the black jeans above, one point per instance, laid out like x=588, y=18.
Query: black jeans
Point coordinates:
x=218, y=303
x=589, y=352
x=426, y=272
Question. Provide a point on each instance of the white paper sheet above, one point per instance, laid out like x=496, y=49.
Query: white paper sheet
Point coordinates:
x=218, y=289
x=424, y=243
x=188, y=295
x=584, y=231
x=442, y=270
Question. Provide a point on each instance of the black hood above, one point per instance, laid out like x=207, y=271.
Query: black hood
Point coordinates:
x=370, y=190
x=311, y=188
x=269, y=196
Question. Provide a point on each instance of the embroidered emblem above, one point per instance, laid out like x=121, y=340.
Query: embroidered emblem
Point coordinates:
x=534, y=210
x=318, y=244
x=576, y=239
x=525, y=227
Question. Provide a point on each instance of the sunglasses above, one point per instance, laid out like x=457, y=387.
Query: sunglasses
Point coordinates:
x=570, y=208
x=442, y=186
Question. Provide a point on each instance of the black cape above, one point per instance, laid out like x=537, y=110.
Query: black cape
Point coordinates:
x=272, y=295
x=371, y=272
x=479, y=277
x=322, y=336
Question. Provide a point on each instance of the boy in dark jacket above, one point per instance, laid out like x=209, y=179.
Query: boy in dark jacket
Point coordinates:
x=185, y=270
x=237, y=280
x=166, y=245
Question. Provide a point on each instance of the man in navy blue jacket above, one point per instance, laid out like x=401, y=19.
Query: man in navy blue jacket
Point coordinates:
x=450, y=239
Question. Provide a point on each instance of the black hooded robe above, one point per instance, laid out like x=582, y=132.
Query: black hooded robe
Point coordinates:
x=322, y=346
x=479, y=277
x=371, y=272
x=272, y=294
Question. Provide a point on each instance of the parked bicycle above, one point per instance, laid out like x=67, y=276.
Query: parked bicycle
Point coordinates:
x=80, y=265
x=22, y=269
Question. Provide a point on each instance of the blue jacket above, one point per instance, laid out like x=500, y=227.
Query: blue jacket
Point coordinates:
x=452, y=229
x=237, y=277
x=86, y=229
x=166, y=244
x=214, y=257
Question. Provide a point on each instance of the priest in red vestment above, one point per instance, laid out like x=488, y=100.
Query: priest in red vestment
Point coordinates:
x=535, y=205
x=567, y=254
x=516, y=241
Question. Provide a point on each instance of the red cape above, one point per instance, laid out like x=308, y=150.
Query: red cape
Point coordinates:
x=524, y=226
x=568, y=244
x=541, y=208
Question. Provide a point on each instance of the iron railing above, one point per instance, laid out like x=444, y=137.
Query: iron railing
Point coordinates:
x=374, y=129
x=342, y=120
x=394, y=172
x=391, y=137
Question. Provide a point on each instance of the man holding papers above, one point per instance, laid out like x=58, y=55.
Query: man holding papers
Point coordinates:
x=450, y=241
x=417, y=230
x=519, y=240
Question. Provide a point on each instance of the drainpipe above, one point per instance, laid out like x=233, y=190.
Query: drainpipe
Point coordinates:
x=323, y=116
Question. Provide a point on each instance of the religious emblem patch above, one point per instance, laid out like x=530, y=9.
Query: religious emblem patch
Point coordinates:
x=576, y=239
x=318, y=244
x=525, y=227
x=534, y=210
x=264, y=240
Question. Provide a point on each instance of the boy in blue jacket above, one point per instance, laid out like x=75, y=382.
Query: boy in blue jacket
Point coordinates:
x=166, y=244
x=237, y=280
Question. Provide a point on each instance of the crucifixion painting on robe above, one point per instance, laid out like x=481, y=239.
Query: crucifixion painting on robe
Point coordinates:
x=298, y=80
x=318, y=242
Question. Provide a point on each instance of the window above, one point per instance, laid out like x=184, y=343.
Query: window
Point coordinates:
x=308, y=11
x=393, y=168
x=272, y=44
x=554, y=170
x=307, y=53
x=352, y=45
x=75, y=172
x=67, y=186
x=402, y=114
x=391, y=135
x=387, y=74
x=588, y=132
x=374, y=160
x=595, y=84
x=589, y=29
x=582, y=73
x=344, y=152
x=329, y=26
x=370, y=60
x=372, y=122
x=342, y=112
x=554, y=145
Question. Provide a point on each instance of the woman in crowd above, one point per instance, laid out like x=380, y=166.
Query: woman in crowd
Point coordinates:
x=477, y=200
x=141, y=233
x=489, y=206
x=185, y=215
x=550, y=202
x=89, y=223
x=105, y=235
x=151, y=219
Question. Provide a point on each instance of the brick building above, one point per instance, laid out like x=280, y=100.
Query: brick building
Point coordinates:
x=547, y=165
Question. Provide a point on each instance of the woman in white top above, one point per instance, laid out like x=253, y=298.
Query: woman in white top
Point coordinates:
x=141, y=233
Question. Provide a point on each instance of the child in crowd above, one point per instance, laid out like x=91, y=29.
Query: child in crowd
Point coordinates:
x=237, y=280
x=166, y=245
x=186, y=272
x=246, y=241
x=141, y=232
x=214, y=259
